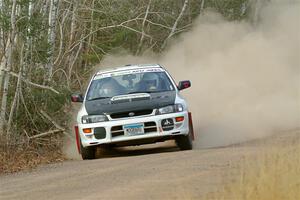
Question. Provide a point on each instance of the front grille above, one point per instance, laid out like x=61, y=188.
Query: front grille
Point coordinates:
x=116, y=131
x=148, y=128
x=131, y=114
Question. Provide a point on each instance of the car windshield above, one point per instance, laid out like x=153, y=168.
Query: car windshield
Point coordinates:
x=107, y=86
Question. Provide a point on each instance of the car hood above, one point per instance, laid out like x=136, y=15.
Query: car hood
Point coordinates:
x=130, y=102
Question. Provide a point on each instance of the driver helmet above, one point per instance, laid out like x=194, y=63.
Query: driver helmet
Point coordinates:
x=108, y=89
x=150, y=81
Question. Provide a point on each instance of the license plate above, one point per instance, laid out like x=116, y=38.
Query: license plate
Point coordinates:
x=133, y=129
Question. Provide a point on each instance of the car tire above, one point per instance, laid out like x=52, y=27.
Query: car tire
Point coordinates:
x=87, y=153
x=184, y=142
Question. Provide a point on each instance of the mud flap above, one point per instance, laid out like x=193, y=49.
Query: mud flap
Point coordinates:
x=77, y=138
x=191, y=127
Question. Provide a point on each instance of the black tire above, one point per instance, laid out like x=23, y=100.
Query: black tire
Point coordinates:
x=184, y=142
x=87, y=153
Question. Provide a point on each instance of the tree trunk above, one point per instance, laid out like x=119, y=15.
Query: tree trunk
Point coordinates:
x=17, y=91
x=7, y=63
x=91, y=35
x=73, y=22
x=51, y=39
x=1, y=29
x=73, y=53
x=202, y=6
x=143, y=31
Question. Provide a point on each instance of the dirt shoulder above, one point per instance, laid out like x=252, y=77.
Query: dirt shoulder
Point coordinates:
x=137, y=173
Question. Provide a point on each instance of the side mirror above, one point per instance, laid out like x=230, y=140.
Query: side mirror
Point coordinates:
x=184, y=84
x=76, y=98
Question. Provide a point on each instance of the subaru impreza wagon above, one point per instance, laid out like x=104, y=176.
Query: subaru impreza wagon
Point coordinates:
x=132, y=105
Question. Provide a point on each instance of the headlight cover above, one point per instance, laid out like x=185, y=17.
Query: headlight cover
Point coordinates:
x=170, y=109
x=87, y=119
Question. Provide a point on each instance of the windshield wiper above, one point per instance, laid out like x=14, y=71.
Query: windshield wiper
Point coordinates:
x=97, y=98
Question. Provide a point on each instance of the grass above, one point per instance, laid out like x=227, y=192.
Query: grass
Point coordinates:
x=274, y=174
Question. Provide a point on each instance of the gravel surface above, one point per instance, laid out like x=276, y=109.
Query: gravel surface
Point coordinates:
x=158, y=171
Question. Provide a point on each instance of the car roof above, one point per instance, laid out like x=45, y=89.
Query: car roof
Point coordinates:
x=128, y=67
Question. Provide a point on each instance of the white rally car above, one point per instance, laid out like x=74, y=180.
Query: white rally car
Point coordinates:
x=132, y=105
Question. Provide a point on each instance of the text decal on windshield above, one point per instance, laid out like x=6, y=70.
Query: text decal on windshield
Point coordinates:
x=134, y=71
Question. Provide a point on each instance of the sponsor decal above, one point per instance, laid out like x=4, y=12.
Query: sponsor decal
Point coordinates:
x=167, y=124
x=131, y=114
x=125, y=72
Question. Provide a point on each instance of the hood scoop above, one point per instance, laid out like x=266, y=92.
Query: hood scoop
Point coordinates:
x=130, y=97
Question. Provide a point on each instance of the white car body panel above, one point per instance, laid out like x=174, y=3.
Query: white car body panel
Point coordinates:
x=89, y=139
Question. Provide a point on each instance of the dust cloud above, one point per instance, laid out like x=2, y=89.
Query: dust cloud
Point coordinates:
x=245, y=78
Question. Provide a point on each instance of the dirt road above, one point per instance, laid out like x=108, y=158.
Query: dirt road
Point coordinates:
x=133, y=173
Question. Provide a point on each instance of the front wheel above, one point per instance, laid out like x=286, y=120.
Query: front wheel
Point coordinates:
x=184, y=142
x=88, y=153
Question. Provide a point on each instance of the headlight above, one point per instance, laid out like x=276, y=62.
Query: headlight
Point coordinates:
x=86, y=119
x=170, y=109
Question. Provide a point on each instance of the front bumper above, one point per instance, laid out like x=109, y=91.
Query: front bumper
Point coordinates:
x=115, y=134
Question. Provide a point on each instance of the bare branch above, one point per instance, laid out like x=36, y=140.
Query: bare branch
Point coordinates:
x=157, y=24
x=55, y=124
x=109, y=27
x=176, y=23
x=143, y=32
x=46, y=133
x=33, y=84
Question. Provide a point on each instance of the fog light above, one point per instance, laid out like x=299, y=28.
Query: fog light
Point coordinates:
x=179, y=119
x=87, y=130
